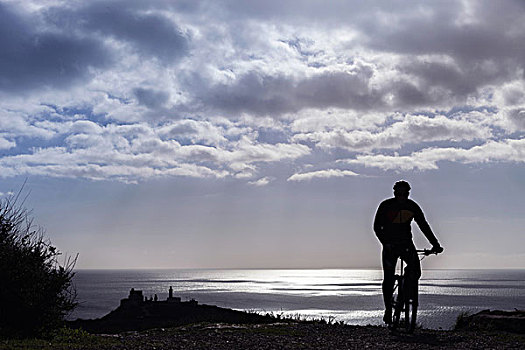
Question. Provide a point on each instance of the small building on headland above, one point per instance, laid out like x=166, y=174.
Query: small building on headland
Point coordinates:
x=136, y=298
x=171, y=298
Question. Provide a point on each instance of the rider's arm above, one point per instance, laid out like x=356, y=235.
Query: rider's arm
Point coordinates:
x=419, y=217
x=378, y=223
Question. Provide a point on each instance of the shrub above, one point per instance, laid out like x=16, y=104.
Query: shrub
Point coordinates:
x=462, y=320
x=36, y=292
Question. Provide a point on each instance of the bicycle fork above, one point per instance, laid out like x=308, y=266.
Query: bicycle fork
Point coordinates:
x=400, y=289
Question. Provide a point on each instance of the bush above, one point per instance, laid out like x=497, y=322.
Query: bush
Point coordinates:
x=36, y=292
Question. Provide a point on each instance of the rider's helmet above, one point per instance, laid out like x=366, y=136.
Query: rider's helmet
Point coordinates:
x=402, y=185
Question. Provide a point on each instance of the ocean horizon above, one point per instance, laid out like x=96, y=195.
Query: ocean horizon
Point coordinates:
x=349, y=295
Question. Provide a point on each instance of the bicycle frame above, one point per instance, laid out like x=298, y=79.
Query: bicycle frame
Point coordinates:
x=402, y=301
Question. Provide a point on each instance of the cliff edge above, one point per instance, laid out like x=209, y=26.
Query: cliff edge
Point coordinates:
x=495, y=320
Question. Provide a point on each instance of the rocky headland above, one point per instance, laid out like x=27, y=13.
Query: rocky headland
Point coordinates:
x=139, y=323
x=137, y=313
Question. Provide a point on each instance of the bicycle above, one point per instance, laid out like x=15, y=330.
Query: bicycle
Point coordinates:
x=403, y=302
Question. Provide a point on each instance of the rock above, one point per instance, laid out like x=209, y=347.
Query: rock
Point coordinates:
x=509, y=321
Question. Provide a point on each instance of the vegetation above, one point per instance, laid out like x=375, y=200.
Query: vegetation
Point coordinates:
x=62, y=338
x=36, y=292
x=461, y=319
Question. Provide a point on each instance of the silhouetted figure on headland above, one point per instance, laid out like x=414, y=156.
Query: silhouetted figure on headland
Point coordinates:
x=392, y=228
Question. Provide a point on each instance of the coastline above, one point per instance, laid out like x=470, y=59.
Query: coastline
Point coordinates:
x=143, y=323
x=173, y=324
x=352, y=296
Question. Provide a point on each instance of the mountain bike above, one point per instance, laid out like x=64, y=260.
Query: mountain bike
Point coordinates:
x=403, y=300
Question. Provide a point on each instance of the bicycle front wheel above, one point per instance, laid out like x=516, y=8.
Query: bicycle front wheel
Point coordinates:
x=410, y=315
x=398, y=302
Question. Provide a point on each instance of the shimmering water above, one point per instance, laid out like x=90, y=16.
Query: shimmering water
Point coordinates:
x=349, y=295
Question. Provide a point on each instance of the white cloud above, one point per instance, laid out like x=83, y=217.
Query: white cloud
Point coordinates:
x=318, y=120
x=323, y=174
x=17, y=124
x=86, y=127
x=263, y=181
x=412, y=129
x=428, y=159
x=203, y=132
x=6, y=144
x=134, y=152
x=90, y=164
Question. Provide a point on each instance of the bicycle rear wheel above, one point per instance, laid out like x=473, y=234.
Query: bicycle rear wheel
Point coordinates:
x=410, y=315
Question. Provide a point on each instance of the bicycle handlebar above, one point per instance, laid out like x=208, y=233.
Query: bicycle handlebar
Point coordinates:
x=426, y=252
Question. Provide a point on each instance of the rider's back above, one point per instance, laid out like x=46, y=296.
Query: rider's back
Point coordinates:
x=393, y=220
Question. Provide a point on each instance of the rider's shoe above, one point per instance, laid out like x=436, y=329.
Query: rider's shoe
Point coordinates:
x=387, y=318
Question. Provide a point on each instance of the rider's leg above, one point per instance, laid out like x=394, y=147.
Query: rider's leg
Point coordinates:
x=412, y=271
x=388, y=286
x=389, y=260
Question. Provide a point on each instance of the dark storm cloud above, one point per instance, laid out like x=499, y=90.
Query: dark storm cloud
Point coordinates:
x=407, y=94
x=273, y=95
x=312, y=11
x=474, y=44
x=494, y=29
x=31, y=59
x=466, y=44
x=517, y=116
x=151, y=98
x=150, y=33
x=446, y=75
x=451, y=82
x=484, y=46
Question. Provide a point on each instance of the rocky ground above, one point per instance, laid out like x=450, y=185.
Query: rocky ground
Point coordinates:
x=316, y=336
x=284, y=335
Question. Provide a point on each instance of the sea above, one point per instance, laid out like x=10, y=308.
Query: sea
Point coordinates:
x=349, y=295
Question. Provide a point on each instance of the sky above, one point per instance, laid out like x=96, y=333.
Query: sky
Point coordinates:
x=264, y=134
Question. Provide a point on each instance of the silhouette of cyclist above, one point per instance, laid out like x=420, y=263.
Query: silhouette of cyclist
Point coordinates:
x=392, y=226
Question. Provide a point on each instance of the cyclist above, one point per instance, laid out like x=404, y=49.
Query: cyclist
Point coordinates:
x=392, y=228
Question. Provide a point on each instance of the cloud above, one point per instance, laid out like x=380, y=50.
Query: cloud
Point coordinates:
x=246, y=153
x=428, y=159
x=137, y=152
x=452, y=55
x=197, y=131
x=323, y=174
x=15, y=124
x=469, y=31
x=151, y=98
x=6, y=144
x=31, y=58
x=95, y=162
x=263, y=181
x=264, y=94
x=130, y=90
x=86, y=127
x=413, y=129
x=517, y=117
x=511, y=99
x=150, y=33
